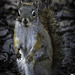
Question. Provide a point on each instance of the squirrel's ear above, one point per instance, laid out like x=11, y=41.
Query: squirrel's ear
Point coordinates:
x=35, y=4
x=19, y=3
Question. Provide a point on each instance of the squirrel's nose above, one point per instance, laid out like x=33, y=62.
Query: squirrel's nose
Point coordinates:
x=25, y=21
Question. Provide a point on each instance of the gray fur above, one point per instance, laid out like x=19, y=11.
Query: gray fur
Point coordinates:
x=27, y=39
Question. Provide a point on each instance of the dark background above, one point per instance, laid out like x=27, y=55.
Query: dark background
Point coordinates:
x=64, y=13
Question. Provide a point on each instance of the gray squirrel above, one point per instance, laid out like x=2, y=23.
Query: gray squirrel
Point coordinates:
x=32, y=42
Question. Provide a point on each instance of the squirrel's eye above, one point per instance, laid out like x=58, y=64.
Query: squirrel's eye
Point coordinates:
x=33, y=13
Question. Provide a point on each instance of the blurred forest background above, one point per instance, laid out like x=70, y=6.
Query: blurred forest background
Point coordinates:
x=63, y=58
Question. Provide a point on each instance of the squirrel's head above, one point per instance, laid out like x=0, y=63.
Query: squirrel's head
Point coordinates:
x=28, y=13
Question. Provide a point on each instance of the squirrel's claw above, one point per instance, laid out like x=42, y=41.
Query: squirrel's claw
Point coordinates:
x=30, y=57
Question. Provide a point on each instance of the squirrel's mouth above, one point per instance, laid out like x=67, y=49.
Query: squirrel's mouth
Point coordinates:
x=26, y=25
x=25, y=22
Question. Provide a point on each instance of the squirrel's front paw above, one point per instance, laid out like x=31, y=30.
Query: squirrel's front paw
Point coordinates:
x=18, y=55
x=30, y=57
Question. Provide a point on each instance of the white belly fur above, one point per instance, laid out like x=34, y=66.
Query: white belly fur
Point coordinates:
x=27, y=38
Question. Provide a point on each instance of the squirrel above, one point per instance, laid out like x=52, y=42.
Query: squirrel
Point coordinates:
x=32, y=42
